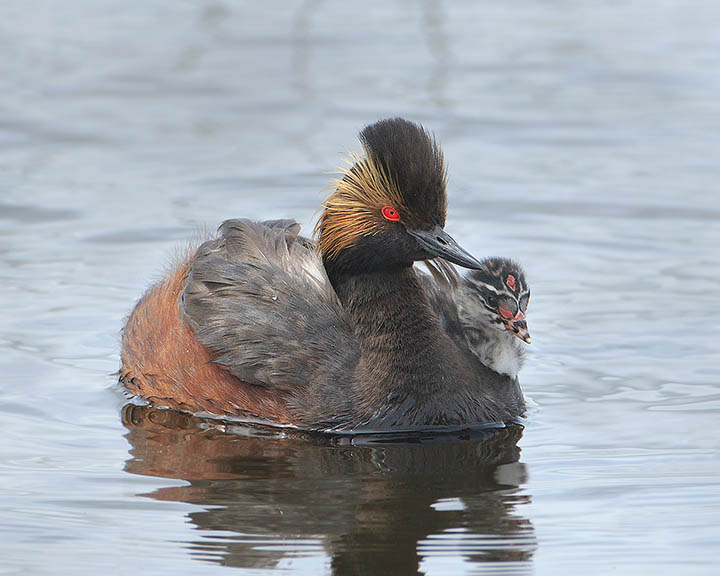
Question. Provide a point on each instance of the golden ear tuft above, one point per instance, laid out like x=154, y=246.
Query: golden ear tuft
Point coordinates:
x=363, y=187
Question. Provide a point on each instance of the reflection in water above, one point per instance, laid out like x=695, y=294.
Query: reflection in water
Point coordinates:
x=374, y=508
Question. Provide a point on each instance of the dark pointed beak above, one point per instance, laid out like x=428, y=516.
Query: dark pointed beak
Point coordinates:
x=439, y=243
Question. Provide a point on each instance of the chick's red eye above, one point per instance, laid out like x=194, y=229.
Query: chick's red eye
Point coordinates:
x=389, y=213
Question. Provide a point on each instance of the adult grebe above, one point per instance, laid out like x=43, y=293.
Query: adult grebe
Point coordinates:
x=341, y=335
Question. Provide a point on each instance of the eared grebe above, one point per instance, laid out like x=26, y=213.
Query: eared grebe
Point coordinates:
x=344, y=335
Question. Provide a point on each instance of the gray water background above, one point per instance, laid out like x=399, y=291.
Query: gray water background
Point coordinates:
x=582, y=139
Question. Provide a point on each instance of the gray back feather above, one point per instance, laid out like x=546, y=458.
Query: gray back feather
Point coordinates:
x=259, y=299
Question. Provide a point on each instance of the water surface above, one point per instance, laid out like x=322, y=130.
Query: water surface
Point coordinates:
x=582, y=140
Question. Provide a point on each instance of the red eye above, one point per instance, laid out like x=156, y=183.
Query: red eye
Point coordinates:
x=389, y=213
x=510, y=281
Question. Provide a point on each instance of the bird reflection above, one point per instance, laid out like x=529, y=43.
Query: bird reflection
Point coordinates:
x=373, y=508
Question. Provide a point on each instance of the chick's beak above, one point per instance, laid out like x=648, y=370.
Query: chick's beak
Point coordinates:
x=518, y=326
x=439, y=243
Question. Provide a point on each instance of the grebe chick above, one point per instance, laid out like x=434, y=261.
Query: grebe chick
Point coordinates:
x=486, y=308
x=259, y=322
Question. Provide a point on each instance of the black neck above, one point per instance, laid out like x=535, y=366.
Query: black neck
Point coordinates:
x=404, y=349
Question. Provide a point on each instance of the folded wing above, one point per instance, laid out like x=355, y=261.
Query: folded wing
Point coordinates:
x=258, y=297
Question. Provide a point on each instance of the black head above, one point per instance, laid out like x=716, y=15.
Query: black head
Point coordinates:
x=389, y=207
x=504, y=294
x=411, y=156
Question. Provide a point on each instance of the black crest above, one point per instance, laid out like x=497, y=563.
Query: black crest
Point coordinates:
x=412, y=158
